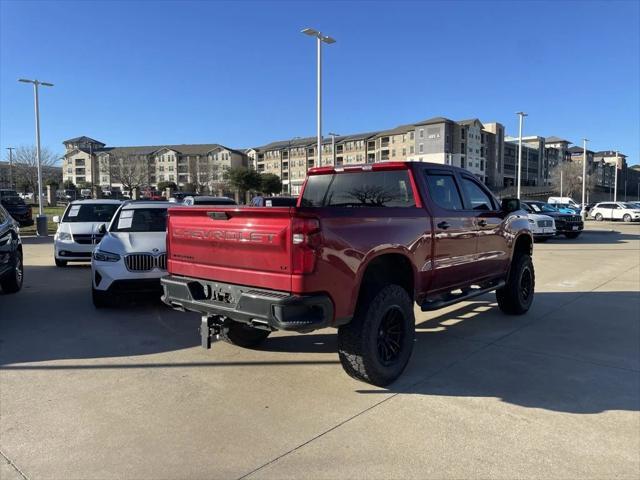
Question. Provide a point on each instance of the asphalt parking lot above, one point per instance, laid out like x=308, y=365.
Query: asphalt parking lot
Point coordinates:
x=129, y=393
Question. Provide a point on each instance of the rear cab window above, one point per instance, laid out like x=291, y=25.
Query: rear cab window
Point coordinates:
x=382, y=188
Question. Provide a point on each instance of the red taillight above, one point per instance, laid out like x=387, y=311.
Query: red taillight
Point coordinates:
x=305, y=241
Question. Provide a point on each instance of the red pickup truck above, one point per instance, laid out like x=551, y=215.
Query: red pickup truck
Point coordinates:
x=362, y=245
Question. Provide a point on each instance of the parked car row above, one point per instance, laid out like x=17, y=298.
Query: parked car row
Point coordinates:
x=548, y=220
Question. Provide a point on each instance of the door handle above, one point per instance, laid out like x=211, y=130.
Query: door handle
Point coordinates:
x=482, y=223
x=443, y=225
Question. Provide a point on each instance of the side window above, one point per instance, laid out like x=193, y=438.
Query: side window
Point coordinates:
x=615, y=206
x=3, y=218
x=478, y=198
x=444, y=191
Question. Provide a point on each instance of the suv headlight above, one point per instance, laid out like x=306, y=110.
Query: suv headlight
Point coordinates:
x=532, y=220
x=103, y=256
x=64, y=236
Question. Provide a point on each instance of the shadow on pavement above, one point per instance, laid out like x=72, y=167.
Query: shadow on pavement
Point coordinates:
x=599, y=237
x=579, y=352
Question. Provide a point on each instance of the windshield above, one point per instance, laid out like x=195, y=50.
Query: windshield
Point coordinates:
x=12, y=201
x=95, y=212
x=542, y=207
x=633, y=206
x=140, y=220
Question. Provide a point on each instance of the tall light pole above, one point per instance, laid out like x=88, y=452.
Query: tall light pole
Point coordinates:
x=321, y=38
x=36, y=83
x=11, y=149
x=615, y=181
x=584, y=176
x=333, y=145
x=521, y=115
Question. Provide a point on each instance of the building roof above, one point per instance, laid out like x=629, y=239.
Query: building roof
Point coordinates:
x=396, y=130
x=609, y=153
x=557, y=140
x=469, y=121
x=434, y=120
x=184, y=149
x=82, y=139
x=577, y=150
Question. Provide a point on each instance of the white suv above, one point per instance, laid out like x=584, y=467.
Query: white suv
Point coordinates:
x=627, y=212
x=78, y=229
x=132, y=255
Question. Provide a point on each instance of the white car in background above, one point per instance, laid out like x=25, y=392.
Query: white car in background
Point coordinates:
x=77, y=232
x=132, y=255
x=543, y=227
x=627, y=212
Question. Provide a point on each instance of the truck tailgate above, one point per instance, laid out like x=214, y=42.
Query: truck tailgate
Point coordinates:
x=247, y=246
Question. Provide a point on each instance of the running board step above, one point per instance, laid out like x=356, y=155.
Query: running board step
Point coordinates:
x=451, y=298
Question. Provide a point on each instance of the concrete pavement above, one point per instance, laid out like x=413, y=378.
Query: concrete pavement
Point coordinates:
x=128, y=393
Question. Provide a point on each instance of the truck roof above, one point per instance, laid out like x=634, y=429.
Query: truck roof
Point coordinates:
x=379, y=166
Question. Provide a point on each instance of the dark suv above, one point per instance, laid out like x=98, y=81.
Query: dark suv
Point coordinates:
x=11, y=270
x=20, y=211
x=568, y=224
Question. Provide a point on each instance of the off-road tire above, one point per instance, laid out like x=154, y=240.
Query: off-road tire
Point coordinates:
x=60, y=263
x=513, y=298
x=101, y=299
x=599, y=217
x=242, y=335
x=359, y=342
x=12, y=282
x=572, y=235
x=626, y=218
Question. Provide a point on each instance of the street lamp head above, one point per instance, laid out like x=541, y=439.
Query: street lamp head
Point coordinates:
x=522, y=113
x=315, y=33
x=46, y=84
x=334, y=134
x=24, y=80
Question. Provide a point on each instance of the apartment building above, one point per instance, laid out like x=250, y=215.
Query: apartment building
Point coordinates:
x=467, y=144
x=493, y=139
x=90, y=161
x=531, y=163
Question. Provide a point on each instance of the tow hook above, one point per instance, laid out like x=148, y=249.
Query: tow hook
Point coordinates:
x=210, y=327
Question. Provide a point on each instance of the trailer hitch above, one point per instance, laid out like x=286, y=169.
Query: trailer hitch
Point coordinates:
x=210, y=327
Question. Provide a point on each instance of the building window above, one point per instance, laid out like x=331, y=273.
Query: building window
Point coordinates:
x=421, y=148
x=410, y=135
x=411, y=149
x=422, y=133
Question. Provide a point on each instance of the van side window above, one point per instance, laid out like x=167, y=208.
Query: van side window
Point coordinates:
x=444, y=191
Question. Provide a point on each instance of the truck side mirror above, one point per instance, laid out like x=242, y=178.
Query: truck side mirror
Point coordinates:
x=510, y=205
x=56, y=219
x=102, y=229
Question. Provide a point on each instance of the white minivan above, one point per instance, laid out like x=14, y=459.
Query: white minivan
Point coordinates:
x=566, y=202
x=78, y=229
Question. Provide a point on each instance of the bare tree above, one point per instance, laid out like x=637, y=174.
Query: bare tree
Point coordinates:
x=571, y=178
x=131, y=171
x=25, y=168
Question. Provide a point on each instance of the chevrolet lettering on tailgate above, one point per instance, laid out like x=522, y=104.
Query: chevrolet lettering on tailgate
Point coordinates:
x=223, y=235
